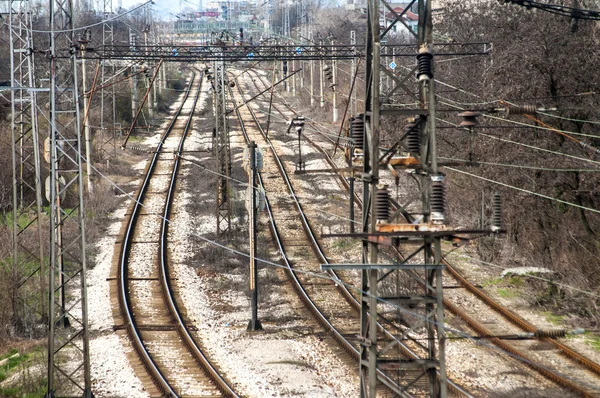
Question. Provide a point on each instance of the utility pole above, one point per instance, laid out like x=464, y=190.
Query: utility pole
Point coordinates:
x=134, y=88
x=294, y=77
x=321, y=64
x=83, y=42
x=353, y=109
x=27, y=184
x=254, y=323
x=150, y=101
x=66, y=178
x=312, y=80
x=333, y=86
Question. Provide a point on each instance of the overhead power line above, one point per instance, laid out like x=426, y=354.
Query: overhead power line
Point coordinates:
x=576, y=13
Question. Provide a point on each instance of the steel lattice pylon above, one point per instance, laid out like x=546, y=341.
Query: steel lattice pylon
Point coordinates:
x=382, y=362
x=107, y=141
x=68, y=336
x=221, y=148
x=28, y=248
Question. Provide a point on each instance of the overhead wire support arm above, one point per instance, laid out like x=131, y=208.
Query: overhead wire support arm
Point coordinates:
x=177, y=53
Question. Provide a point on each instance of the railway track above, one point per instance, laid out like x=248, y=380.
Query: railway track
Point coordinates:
x=548, y=356
x=321, y=295
x=174, y=364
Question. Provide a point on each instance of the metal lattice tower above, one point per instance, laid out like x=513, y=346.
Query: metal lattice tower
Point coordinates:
x=221, y=148
x=28, y=248
x=107, y=141
x=426, y=375
x=68, y=336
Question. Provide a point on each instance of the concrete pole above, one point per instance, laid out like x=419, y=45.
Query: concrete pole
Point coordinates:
x=353, y=108
x=86, y=128
x=334, y=87
x=322, y=98
x=294, y=78
x=150, y=102
x=134, y=92
x=312, y=79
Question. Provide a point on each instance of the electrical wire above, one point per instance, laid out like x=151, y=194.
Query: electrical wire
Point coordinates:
x=518, y=166
x=547, y=128
x=522, y=144
x=94, y=24
x=565, y=11
x=324, y=276
x=524, y=190
x=569, y=119
x=587, y=292
x=336, y=280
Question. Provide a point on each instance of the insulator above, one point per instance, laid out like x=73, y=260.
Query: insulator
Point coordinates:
x=496, y=212
x=413, y=138
x=553, y=334
x=425, y=62
x=520, y=109
x=469, y=118
x=357, y=131
x=382, y=204
x=231, y=83
x=437, y=200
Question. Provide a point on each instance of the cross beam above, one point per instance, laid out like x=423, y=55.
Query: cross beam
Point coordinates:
x=209, y=53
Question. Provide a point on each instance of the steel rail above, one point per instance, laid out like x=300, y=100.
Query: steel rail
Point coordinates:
x=124, y=299
x=202, y=360
x=346, y=293
x=507, y=314
x=322, y=257
x=150, y=365
x=337, y=336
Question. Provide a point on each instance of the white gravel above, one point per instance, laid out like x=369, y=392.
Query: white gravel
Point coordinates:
x=269, y=364
x=112, y=374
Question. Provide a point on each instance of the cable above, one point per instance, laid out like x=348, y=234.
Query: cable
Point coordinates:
x=524, y=190
x=565, y=11
x=538, y=148
x=95, y=24
x=518, y=166
x=523, y=124
x=327, y=277
x=569, y=119
x=521, y=144
x=530, y=276
x=560, y=117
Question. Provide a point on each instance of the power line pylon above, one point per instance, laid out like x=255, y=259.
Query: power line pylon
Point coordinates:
x=425, y=302
x=222, y=148
x=68, y=335
x=28, y=247
x=108, y=134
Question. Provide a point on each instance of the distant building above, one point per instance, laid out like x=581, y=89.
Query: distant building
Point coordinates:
x=410, y=19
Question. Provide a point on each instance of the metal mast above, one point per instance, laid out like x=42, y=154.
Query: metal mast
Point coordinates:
x=380, y=361
x=68, y=336
x=28, y=250
x=108, y=132
x=221, y=147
